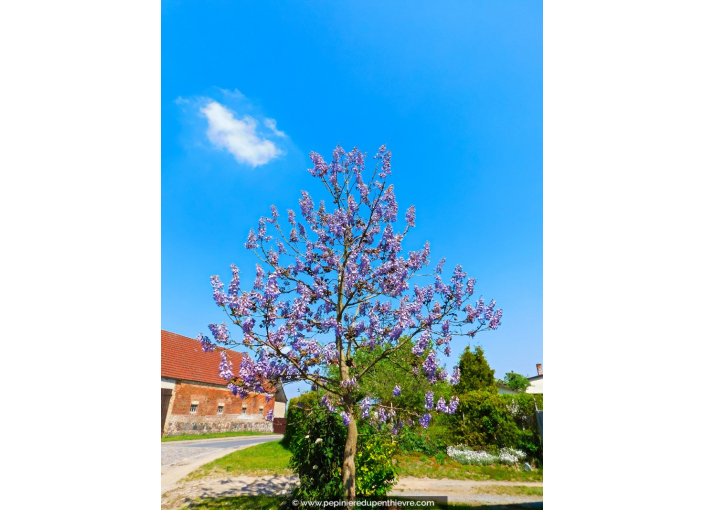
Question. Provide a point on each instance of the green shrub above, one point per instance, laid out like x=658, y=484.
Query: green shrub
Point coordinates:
x=295, y=414
x=522, y=409
x=429, y=442
x=319, y=464
x=375, y=471
x=489, y=421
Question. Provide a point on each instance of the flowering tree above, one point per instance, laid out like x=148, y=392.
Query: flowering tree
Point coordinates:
x=336, y=284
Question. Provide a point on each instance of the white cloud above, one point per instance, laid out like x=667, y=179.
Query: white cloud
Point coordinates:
x=239, y=136
x=271, y=124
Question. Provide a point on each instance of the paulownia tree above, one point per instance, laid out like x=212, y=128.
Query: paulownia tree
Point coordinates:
x=338, y=283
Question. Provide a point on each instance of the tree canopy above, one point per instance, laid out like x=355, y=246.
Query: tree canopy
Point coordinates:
x=335, y=290
x=475, y=373
x=516, y=382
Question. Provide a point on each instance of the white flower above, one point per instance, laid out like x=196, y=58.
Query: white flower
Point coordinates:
x=315, y=467
x=464, y=455
x=307, y=437
x=319, y=440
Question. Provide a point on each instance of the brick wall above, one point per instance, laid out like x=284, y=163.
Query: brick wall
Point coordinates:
x=206, y=420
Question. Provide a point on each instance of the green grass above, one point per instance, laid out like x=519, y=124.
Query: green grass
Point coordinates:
x=241, y=502
x=510, y=490
x=272, y=459
x=263, y=459
x=272, y=503
x=420, y=466
x=187, y=437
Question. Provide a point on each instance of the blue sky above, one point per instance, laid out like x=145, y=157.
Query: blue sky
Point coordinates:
x=453, y=88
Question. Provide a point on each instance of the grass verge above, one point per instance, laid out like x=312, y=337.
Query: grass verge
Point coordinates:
x=263, y=459
x=510, y=490
x=272, y=503
x=187, y=437
x=420, y=466
x=242, y=502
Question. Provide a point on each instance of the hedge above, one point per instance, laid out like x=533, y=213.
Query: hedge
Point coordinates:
x=490, y=421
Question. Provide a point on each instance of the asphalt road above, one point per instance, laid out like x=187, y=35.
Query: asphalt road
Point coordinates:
x=178, y=458
x=227, y=443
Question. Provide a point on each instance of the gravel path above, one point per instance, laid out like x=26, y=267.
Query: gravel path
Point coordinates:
x=464, y=491
x=171, y=455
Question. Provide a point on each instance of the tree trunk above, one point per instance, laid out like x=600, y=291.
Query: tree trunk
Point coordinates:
x=348, y=474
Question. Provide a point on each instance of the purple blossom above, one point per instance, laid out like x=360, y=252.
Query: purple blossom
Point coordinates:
x=364, y=407
x=429, y=401
x=205, y=342
x=397, y=426
x=269, y=415
x=272, y=287
x=259, y=280
x=496, y=319
x=320, y=168
x=251, y=243
x=454, y=402
x=234, y=287
x=349, y=383
x=470, y=286
x=422, y=344
x=306, y=204
x=225, y=367
x=220, y=332
x=397, y=391
x=430, y=367
x=382, y=415
x=330, y=354
x=424, y=420
x=441, y=406
x=218, y=295
x=327, y=402
x=438, y=269
x=455, y=375
x=411, y=216
x=345, y=418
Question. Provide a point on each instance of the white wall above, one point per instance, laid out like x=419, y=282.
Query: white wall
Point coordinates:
x=169, y=384
x=536, y=386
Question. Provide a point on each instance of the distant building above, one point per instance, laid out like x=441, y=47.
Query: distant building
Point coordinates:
x=196, y=400
x=536, y=382
x=505, y=389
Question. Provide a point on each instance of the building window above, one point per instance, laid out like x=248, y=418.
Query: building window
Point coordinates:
x=194, y=407
x=261, y=411
x=220, y=408
x=244, y=409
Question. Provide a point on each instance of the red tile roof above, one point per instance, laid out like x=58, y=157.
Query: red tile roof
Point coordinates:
x=183, y=358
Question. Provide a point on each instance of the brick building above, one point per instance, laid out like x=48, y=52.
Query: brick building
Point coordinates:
x=195, y=400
